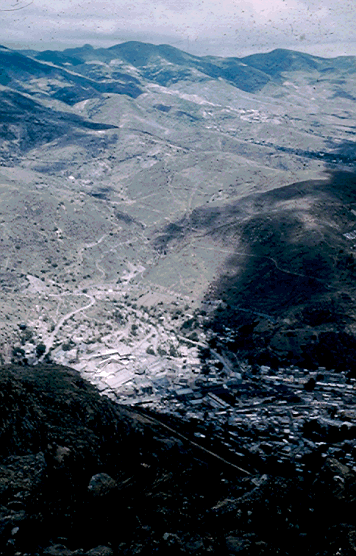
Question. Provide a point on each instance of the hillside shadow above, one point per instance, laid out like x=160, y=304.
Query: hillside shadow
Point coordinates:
x=288, y=290
x=293, y=300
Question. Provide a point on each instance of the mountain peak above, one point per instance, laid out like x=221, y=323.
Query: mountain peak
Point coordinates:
x=279, y=60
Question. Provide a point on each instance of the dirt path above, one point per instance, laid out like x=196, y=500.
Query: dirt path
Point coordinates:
x=274, y=261
x=60, y=323
x=88, y=246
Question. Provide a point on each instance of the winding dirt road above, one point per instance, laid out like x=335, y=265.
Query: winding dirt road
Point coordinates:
x=50, y=341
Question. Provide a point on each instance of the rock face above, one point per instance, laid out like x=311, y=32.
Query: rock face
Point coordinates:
x=81, y=476
x=100, y=551
x=101, y=485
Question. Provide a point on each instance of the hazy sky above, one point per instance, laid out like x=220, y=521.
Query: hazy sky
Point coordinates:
x=220, y=27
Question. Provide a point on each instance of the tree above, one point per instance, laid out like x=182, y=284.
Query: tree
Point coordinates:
x=40, y=350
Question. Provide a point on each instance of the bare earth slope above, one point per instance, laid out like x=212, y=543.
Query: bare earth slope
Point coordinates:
x=201, y=186
x=290, y=276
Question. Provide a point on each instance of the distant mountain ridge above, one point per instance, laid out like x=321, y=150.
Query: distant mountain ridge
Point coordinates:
x=282, y=60
x=26, y=123
x=165, y=64
x=18, y=70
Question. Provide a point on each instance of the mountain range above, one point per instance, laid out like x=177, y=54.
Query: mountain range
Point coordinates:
x=227, y=180
x=177, y=303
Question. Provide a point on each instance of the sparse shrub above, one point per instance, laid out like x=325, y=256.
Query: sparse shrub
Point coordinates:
x=172, y=351
x=17, y=351
x=161, y=351
x=40, y=350
x=188, y=324
x=118, y=317
x=18, y=356
x=68, y=345
x=27, y=336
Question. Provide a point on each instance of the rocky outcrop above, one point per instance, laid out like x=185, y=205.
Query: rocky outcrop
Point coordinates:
x=80, y=476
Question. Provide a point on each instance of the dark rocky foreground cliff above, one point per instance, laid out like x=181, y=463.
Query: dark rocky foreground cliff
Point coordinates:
x=81, y=475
